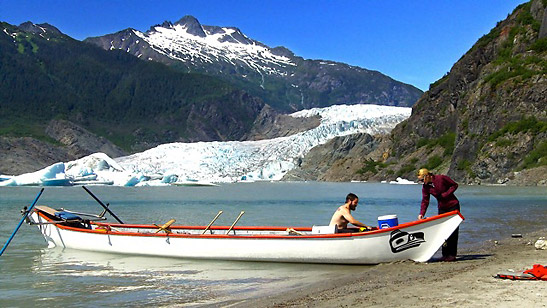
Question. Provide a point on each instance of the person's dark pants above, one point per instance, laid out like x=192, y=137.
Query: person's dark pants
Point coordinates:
x=450, y=247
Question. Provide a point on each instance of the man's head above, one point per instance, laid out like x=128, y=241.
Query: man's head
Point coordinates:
x=424, y=176
x=353, y=200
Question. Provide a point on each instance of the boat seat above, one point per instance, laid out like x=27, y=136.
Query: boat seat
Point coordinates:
x=46, y=209
x=57, y=214
x=324, y=229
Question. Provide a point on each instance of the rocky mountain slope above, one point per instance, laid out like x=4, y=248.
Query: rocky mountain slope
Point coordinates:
x=71, y=98
x=107, y=100
x=485, y=122
x=283, y=80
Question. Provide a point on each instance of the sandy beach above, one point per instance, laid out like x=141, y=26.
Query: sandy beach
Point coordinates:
x=468, y=282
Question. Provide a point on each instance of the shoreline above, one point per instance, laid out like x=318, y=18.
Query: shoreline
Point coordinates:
x=468, y=282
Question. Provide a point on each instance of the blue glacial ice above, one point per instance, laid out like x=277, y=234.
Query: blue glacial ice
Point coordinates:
x=232, y=161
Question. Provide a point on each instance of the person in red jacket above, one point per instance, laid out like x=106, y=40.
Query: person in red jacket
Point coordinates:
x=442, y=188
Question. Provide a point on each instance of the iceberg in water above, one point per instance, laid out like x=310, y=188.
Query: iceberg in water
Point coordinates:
x=229, y=161
x=55, y=171
x=401, y=181
x=105, y=168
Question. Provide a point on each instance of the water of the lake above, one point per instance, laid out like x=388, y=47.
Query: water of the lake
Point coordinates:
x=34, y=275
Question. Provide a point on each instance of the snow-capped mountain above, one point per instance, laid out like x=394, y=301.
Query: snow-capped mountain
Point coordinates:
x=189, y=42
x=283, y=80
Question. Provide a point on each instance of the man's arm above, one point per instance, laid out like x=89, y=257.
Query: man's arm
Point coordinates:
x=452, y=186
x=353, y=221
x=425, y=202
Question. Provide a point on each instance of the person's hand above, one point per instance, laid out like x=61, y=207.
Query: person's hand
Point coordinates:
x=367, y=228
x=420, y=217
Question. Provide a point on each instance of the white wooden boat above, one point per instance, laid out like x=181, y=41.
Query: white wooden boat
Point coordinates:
x=418, y=240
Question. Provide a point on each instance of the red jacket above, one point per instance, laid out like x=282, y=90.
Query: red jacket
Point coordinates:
x=442, y=188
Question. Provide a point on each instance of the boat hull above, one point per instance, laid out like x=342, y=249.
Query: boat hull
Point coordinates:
x=416, y=241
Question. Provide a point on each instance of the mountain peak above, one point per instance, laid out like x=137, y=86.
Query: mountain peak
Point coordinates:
x=192, y=25
x=277, y=75
x=39, y=28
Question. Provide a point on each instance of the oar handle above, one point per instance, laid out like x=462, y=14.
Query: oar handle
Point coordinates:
x=22, y=220
x=211, y=223
x=102, y=204
x=235, y=222
x=165, y=226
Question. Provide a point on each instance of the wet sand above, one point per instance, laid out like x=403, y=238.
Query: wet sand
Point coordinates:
x=468, y=282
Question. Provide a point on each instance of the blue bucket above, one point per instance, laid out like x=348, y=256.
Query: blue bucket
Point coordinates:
x=387, y=221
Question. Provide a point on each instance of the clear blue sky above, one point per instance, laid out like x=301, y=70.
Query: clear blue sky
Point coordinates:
x=415, y=42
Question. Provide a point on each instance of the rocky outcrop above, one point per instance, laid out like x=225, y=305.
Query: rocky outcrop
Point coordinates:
x=340, y=159
x=271, y=124
x=485, y=120
x=79, y=141
x=26, y=154
x=68, y=142
x=543, y=28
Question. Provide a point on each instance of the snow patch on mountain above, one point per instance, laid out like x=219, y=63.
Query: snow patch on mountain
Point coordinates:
x=217, y=44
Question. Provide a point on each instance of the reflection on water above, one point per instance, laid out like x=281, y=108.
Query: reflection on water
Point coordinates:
x=34, y=275
x=133, y=280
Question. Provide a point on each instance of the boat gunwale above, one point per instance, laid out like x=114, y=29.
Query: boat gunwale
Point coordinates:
x=240, y=228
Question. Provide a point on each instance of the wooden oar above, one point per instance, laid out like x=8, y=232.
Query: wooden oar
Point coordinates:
x=102, y=204
x=165, y=227
x=27, y=212
x=211, y=223
x=235, y=222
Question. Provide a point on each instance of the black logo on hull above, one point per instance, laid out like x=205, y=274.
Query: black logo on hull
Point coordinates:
x=401, y=241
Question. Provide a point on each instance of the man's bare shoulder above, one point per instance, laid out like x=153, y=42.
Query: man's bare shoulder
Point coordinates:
x=343, y=209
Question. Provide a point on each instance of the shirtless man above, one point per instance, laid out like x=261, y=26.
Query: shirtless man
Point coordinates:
x=342, y=216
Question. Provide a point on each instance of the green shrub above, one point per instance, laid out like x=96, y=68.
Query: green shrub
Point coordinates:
x=526, y=18
x=503, y=142
x=422, y=142
x=465, y=165
x=407, y=168
x=508, y=72
x=371, y=166
x=540, y=45
x=526, y=124
x=537, y=157
x=487, y=38
x=22, y=130
x=465, y=125
x=433, y=162
x=446, y=141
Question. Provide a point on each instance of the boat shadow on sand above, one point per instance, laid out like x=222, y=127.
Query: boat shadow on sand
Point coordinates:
x=468, y=257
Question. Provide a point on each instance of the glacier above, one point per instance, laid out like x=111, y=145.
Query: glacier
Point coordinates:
x=221, y=162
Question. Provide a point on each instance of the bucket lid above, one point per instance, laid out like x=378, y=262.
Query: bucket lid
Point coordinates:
x=386, y=217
